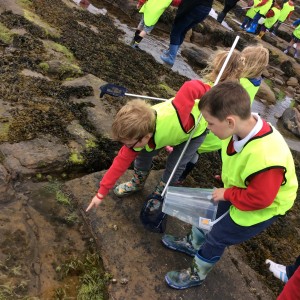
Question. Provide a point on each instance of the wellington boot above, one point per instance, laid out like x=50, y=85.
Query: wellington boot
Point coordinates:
x=261, y=34
x=192, y=276
x=136, y=183
x=170, y=58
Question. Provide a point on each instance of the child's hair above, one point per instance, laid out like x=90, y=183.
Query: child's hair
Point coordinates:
x=226, y=98
x=133, y=121
x=233, y=68
x=256, y=59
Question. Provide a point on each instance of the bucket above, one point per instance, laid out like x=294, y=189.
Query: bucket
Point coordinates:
x=191, y=205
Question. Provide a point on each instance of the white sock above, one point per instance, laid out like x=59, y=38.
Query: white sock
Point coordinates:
x=96, y=11
x=279, y=271
x=77, y=1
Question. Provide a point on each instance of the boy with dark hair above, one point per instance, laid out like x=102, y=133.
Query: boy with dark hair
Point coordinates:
x=259, y=179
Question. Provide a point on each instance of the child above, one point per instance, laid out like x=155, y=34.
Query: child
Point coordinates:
x=255, y=59
x=285, y=14
x=271, y=18
x=260, y=182
x=261, y=9
x=250, y=14
x=144, y=130
x=151, y=11
x=295, y=38
x=189, y=14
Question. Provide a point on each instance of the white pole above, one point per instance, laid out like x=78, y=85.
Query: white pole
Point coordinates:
x=146, y=97
x=199, y=118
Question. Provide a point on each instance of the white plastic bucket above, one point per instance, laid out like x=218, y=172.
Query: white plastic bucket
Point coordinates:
x=191, y=205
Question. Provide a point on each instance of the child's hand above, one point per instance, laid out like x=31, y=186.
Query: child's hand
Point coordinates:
x=95, y=202
x=218, y=194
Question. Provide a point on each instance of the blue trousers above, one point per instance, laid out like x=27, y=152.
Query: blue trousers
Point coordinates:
x=183, y=24
x=226, y=233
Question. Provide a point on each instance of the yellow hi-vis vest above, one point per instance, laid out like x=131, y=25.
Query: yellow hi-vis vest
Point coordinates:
x=250, y=88
x=296, y=32
x=153, y=9
x=251, y=11
x=212, y=142
x=259, y=154
x=286, y=9
x=169, y=130
x=265, y=8
x=269, y=22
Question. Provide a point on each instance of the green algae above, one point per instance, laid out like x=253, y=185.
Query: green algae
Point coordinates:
x=6, y=36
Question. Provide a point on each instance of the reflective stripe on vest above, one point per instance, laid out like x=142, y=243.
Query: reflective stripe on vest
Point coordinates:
x=153, y=9
x=259, y=154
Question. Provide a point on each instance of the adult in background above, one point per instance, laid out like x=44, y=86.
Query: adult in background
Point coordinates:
x=228, y=5
x=189, y=13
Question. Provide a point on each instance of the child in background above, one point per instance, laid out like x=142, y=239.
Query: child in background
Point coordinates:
x=151, y=11
x=250, y=14
x=295, y=39
x=261, y=9
x=260, y=182
x=285, y=14
x=255, y=60
x=271, y=18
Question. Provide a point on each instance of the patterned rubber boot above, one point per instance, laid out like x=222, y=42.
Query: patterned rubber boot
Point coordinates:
x=136, y=183
x=193, y=276
x=189, y=244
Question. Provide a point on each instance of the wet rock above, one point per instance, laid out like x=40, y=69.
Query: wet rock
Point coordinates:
x=293, y=81
x=197, y=56
x=288, y=68
x=279, y=80
x=296, y=68
x=6, y=191
x=197, y=38
x=290, y=90
x=265, y=93
x=276, y=70
x=60, y=69
x=266, y=73
x=291, y=120
x=188, y=36
x=40, y=155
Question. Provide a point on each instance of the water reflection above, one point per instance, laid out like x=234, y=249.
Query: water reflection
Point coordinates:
x=268, y=112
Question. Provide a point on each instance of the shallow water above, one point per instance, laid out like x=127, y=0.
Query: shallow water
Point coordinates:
x=268, y=112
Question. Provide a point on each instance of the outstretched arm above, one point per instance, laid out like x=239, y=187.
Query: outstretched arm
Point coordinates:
x=120, y=164
x=185, y=100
